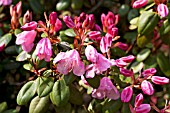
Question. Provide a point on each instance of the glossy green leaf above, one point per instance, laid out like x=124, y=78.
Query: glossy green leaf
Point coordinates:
x=3, y=106
x=47, y=73
x=39, y=105
x=69, y=78
x=17, y=31
x=22, y=56
x=137, y=66
x=28, y=67
x=76, y=4
x=94, y=82
x=75, y=96
x=5, y=39
x=165, y=28
x=143, y=40
x=60, y=93
x=26, y=93
x=62, y=5
x=70, y=33
x=142, y=55
x=164, y=64
x=150, y=62
x=45, y=87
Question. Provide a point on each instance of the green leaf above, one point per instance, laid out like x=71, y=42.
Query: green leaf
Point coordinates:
x=17, y=31
x=75, y=96
x=163, y=63
x=11, y=65
x=3, y=106
x=11, y=111
x=165, y=28
x=76, y=4
x=123, y=10
x=112, y=106
x=28, y=67
x=143, y=40
x=39, y=105
x=36, y=6
x=5, y=39
x=45, y=87
x=142, y=55
x=26, y=93
x=11, y=50
x=69, y=78
x=43, y=35
x=22, y=56
x=63, y=109
x=125, y=108
x=130, y=36
x=70, y=33
x=60, y=93
x=94, y=82
x=137, y=66
x=47, y=73
x=62, y=5
x=150, y=62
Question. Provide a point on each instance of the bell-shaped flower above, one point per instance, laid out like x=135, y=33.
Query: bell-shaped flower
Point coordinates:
x=105, y=43
x=139, y=3
x=26, y=39
x=69, y=22
x=143, y=108
x=5, y=2
x=44, y=49
x=149, y=72
x=125, y=72
x=70, y=60
x=29, y=26
x=99, y=62
x=147, y=87
x=163, y=10
x=138, y=100
x=126, y=94
x=159, y=80
x=106, y=89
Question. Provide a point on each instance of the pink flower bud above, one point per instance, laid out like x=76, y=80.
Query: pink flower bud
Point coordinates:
x=58, y=25
x=120, y=63
x=52, y=18
x=149, y=72
x=94, y=35
x=110, y=19
x=5, y=2
x=147, y=88
x=126, y=94
x=125, y=72
x=105, y=43
x=162, y=10
x=29, y=26
x=97, y=28
x=27, y=17
x=143, y=108
x=113, y=31
x=138, y=100
x=139, y=3
x=127, y=59
x=44, y=49
x=68, y=21
x=160, y=80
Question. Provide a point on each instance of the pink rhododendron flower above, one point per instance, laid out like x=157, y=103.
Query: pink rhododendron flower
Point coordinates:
x=26, y=39
x=5, y=2
x=113, y=31
x=160, y=80
x=99, y=62
x=55, y=22
x=69, y=22
x=105, y=43
x=52, y=18
x=108, y=19
x=120, y=63
x=139, y=3
x=125, y=72
x=138, y=100
x=126, y=94
x=29, y=26
x=147, y=88
x=121, y=45
x=95, y=35
x=149, y=72
x=44, y=49
x=127, y=59
x=163, y=10
x=143, y=108
x=106, y=89
x=68, y=61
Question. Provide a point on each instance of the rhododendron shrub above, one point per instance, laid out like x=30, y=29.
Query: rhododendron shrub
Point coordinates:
x=78, y=56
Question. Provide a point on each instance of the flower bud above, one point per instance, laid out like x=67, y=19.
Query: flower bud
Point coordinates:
x=58, y=25
x=121, y=45
x=138, y=100
x=113, y=31
x=68, y=21
x=94, y=35
x=162, y=10
x=149, y=72
x=105, y=43
x=160, y=80
x=27, y=17
x=97, y=28
x=139, y=3
x=127, y=59
x=126, y=94
x=52, y=18
x=125, y=72
x=120, y=63
x=147, y=88
x=29, y=26
x=143, y=108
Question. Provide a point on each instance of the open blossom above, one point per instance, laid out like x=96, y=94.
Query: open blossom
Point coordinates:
x=160, y=80
x=126, y=94
x=99, y=62
x=139, y=3
x=29, y=26
x=5, y=2
x=162, y=10
x=70, y=60
x=106, y=89
x=44, y=49
x=26, y=39
x=147, y=88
